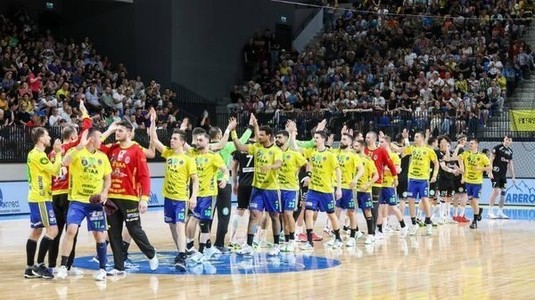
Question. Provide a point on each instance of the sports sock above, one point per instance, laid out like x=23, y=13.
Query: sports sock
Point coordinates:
x=45, y=244
x=101, y=253
x=31, y=247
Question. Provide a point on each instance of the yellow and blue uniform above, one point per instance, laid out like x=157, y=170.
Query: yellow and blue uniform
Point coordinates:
x=178, y=170
x=86, y=178
x=292, y=162
x=349, y=163
x=208, y=164
x=388, y=193
x=265, y=193
x=419, y=171
x=40, y=171
x=364, y=196
x=321, y=188
x=473, y=173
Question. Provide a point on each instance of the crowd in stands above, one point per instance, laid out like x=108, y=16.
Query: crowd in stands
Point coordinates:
x=444, y=65
x=43, y=79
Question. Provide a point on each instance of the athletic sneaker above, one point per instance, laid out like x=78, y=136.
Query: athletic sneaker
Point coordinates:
x=191, y=251
x=210, y=252
x=370, y=239
x=501, y=215
x=316, y=238
x=334, y=243
x=246, y=250
x=306, y=247
x=379, y=235
x=29, y=273
x=180, y=264
x=154, y=262
x=414, y=229
x=290, y=246
x=429, y=229
x=281, y=237
x=234, y=246
x=43, y=272
x=74, y=271
x=302, y=237
x=222, y=249
x=62, y=272
x=463, y=219
x=327, y=230
x=491, y=214
x=100, y=275
x=403, y=233
x=128, y=264
x=115, y=272
x=196, y=257
x=351, y=242
x=275, y=250
x=358, y=235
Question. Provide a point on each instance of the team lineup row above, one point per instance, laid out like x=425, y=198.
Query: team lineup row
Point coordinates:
x=110, y=184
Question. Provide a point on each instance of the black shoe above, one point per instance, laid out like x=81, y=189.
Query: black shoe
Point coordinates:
x=473, y=225
x=223, y=249
x=29, y=273
x=44, y=272
x=480, y=214
x=180, y=264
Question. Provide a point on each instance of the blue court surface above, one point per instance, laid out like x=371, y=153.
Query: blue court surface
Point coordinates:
x=224, y=264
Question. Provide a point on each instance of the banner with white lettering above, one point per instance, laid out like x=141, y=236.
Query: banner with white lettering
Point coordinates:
x=522, y=193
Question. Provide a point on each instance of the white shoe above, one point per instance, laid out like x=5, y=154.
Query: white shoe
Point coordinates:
x=100, y=275
x=154, y=262
x=327, y=230
x=351, y=242
x=379, y=235
x=501, y=215
x=275, y=250
x=491, y=215
x=358, y=235
x=414, y=229
x=196, y=257
x=370, y=239
x=429, y=229
x=290, y=246
x=306, y=247
x=403, y=233
x=115, y=272
x=74, y=271
x=245, y=250
x=62, y=272
x=336, y=244
x=210, y=252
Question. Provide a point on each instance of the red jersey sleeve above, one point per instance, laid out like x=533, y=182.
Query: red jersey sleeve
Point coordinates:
x=388, y=162
x=143, y=175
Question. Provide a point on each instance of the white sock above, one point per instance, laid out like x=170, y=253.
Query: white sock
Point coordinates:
x=462, y=211
x=447, y=210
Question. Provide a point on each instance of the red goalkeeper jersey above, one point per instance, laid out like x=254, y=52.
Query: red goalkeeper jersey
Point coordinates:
x=381, y=159
x=130, y=179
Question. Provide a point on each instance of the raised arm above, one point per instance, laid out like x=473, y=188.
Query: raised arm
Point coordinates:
x=223, y=142
x=153, y=134
x=84, y=140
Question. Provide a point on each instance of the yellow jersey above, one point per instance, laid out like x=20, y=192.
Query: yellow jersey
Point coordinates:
x=367, y=175
x=471, y=162
x=40, y=171
x=349, y=161
x=292, y=162
x=421, y=158
x=265, y=157
x=178, y=170
x=86, y=174
x=388, y=178
x=324, y=166
x=208, y=165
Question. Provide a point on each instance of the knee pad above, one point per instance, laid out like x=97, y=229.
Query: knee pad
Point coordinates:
x=205, y=226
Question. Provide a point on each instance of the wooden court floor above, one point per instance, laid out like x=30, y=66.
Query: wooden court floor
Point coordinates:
x=497, y=261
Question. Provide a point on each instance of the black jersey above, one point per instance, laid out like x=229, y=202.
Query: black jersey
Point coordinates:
x=452, y=164
x=502, y=157
x=245, y=167
x=404, y=174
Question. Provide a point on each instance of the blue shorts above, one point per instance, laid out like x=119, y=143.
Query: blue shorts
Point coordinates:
x=203, y=210
x=418, y=189
x=346, y=201
x=388, y=196
x=96, y=218
x=473, y=190
x=289, y=200
x=42, y=214
x=318, y=201
x=364, y=200
x=174, y=211
x=267, y=200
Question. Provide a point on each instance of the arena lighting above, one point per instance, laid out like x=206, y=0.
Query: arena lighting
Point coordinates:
x=50, y=5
